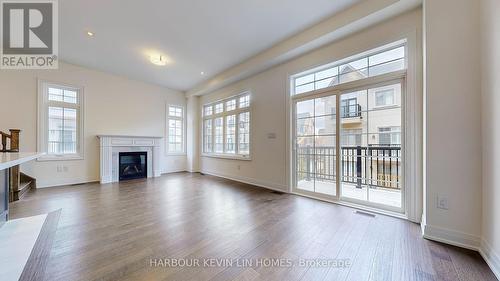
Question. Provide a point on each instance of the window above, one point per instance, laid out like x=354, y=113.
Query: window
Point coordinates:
x=208, y=110
x=389, y=135
x=230, y=105
x=60, y=132
x=226, y=127
x=219, y=135
x=175, y=129
x=207, y=137
x=219, y=108
x=384, y=98
x=351, y=137
x=244, y=132
x=231, y=134
x=382, y=60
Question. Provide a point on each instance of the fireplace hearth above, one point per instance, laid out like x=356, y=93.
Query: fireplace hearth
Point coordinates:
x=133, y=165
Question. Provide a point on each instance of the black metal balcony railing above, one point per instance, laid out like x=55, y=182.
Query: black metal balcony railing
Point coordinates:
x=350, y=111
x=374, y=166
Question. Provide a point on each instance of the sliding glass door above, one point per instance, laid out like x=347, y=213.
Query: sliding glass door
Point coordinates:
x=316, y=142
x=364, y=165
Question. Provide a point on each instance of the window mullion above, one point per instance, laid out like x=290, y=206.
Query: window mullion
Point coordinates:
x=237, y=134
x=212, y=136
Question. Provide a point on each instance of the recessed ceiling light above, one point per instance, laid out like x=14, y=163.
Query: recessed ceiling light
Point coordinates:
x=158, y=60
x=202, y=73
x=90, y=33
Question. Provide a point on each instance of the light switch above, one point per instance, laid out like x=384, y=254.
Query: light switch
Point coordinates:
x=271, y=135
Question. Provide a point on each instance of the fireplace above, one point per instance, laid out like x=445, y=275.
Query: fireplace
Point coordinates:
x=133, y=165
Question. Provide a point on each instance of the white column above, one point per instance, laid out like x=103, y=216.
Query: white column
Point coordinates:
x=156, y=158
x=106, y=160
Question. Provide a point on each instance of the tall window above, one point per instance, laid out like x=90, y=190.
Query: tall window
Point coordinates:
x=175, y=123
x=60, y=132
x=226, y=127
x=355, y=155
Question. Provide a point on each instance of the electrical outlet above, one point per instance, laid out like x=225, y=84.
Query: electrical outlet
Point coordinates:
x=65, y=169
x=59, y=168
x=239, y=167
x=442, y=202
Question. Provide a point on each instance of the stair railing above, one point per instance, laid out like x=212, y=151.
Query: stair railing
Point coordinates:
x=14, y=140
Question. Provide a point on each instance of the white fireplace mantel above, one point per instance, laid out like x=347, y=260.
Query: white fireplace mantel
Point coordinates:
x=112, y=145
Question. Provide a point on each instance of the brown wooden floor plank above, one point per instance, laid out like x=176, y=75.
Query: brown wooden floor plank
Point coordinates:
x=113, y=231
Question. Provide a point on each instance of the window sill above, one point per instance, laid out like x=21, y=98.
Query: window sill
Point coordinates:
x=230, y=157
x=60, y=157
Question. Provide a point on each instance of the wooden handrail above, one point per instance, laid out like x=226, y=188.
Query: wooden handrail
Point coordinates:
x=14, y=140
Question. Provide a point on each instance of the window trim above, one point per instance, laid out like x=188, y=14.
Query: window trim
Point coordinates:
x=42, y=120
x=237, y=111
x=183, y=122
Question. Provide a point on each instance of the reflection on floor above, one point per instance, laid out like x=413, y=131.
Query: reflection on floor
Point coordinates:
x=376, y=195
x=17, y=239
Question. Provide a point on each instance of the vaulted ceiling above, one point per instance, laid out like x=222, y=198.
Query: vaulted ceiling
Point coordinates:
x=194, y=35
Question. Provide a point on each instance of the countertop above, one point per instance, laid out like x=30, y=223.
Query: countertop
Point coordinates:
x=8, y=160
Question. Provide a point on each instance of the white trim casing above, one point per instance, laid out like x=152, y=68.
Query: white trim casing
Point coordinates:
x=237, y=111
x=42, y=120
x=250, y=181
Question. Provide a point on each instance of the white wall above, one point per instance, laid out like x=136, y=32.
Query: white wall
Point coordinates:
x=490, y=39
x=113, y=105
x=193, y=136
x=453, y=121
x=270, y=102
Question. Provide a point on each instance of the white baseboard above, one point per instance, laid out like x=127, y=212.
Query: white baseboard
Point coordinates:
x=42, y=184
x=251, y=181
x=173, y=171
x=491, y=257
x=451, y=237
x=45, y=184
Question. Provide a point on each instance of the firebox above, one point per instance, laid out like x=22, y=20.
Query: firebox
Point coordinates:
x=133, y=165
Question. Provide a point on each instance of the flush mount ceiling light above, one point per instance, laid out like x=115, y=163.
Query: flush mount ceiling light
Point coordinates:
x=90, y=33
x=158, y=60
x=202, y=73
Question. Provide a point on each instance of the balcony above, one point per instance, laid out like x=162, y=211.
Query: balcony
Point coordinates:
x=373, y=167
x=350, y=111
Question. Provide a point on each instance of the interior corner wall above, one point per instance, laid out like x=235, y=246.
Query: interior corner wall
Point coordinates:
x=193, y=136
x=453, y=121
x=270, y=102
x=112, y=105
x=490, y=72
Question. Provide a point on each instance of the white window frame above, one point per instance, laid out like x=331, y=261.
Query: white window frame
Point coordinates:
x=183, y=128
x=43, y=120
x=411, y=135
x=224, y=114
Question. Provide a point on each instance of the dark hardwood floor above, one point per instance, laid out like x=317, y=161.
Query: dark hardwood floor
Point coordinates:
x=131, y=230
